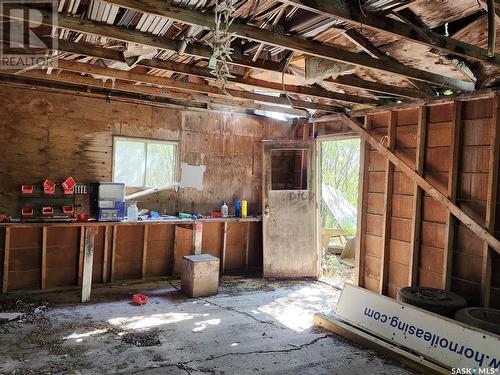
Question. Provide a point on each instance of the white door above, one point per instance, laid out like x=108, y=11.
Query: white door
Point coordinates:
x=290, y=231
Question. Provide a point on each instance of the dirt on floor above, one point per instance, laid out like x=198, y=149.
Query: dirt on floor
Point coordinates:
x=252, y=326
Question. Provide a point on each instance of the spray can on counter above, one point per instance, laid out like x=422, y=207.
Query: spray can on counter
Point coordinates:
x=244, y=208
x=237, y=208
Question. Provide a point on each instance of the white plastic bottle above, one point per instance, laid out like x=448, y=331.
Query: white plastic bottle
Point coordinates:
x=132, y=212
x=224, y=209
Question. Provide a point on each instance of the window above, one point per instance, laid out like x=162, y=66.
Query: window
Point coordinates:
x=289, y=169
x=144, y=163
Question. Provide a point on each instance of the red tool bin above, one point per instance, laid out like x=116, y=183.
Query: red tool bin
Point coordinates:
x=26, y=212
x=27, y=189
x=69, y=185
x=49, y=187
x=47, y=211
x=68, y=210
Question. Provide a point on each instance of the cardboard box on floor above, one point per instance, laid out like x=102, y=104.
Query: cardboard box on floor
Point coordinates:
x=200, y=275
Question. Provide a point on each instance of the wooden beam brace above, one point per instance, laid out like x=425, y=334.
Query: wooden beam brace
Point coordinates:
x=492, y=29
x=88, y=262
x=80, y=254
x=312, y=48
x=388, y=190
x=491, y=202
x=452, y=192
x=144, y=251
x=43, y=273
x=426, y=186
x=6, y=261
x=351, y=14
x=105, y=262
x=417, y=198
x=197, y=237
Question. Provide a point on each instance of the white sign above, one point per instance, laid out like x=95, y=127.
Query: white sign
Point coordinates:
x=439, y=339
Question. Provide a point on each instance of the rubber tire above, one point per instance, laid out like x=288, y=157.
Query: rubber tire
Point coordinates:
x=438, y=301
x=480, y=317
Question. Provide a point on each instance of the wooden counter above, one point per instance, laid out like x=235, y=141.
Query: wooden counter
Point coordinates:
x=50, y=255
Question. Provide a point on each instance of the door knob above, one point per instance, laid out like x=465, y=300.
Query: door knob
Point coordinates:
x=266, y=211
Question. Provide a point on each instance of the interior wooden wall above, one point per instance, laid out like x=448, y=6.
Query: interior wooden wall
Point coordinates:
x=47, y=134
x=405, y=236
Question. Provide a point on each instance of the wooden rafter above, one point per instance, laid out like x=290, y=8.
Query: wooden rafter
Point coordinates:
x=342, y=10
x=193, y=17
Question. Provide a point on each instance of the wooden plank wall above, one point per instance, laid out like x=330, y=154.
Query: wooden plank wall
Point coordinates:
x=132, y=253
x=406, y=237
x=47, y=134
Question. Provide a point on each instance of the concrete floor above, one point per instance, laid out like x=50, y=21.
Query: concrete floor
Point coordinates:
x=251, y=327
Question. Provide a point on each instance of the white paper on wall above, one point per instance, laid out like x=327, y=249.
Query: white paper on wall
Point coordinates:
x=192, y=176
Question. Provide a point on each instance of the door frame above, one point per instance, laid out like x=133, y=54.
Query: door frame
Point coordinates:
x=291, y=145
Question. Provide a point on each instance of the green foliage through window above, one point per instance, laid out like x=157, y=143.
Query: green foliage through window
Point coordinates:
x=144, y=163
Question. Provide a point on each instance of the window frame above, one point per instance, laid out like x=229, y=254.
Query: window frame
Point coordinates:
x=145, y=141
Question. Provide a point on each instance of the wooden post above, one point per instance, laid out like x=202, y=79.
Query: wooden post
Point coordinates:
x=144, y=251
x=105, y=257
x=88, y=262
x=452, y=192
x=80, y=255
x=491, y=202
x=197, y=237
x=223, y=250
x=43, y=272
x=417, y=197
x=113, y=253
x=247, y=243
x=389, y=181
x=6, y=256
x=362, y=203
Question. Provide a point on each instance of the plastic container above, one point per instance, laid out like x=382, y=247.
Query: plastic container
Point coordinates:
x=224, y=209
x=237, y=208
x=47, y=211
x=244, y=208
x=27, y=189
x=68, y=210
x=27, y=212
x=69, y=185
x=49, y=187
x=132, y=212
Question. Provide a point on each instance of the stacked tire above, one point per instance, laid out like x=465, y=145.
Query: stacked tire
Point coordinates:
x=438, y=301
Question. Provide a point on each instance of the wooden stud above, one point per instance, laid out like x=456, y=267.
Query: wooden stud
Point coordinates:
x=247, y=244
x=389, y=182
x=6, y=257
x=80, y=255
x=113, y=253
x=43, y=281
x=145, y=251
x=491, y=202
x=105, y=263
x=417, y=197
x=456, y=141
x=223, y=245
x=362, y=203
x=474, y=226
x=88, y=263
x=197, y=237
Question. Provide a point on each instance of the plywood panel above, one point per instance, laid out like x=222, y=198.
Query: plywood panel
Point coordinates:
x=235, y=246
x=128, y=255
x=160, y=246
x=63, y=247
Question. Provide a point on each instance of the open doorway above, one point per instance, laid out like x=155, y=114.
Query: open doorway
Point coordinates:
x=339, y=178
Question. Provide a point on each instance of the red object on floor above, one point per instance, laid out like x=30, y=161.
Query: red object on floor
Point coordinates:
x=27, y=189
x=26, y=212
x=139, y=299
x=49, y=187
x=69, y=185
x=47, y=211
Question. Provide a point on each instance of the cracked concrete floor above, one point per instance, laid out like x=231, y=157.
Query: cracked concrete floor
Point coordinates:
x=252, y=326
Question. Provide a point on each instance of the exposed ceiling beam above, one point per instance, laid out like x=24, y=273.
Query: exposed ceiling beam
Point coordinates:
x=206, y=20
x=127, y=87
x=355, y=37
x=189, y=87
x=351, y=14
x=113, y=55
x=133, y=36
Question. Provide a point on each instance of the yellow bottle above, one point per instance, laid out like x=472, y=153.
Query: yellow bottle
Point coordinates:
x=243, y=208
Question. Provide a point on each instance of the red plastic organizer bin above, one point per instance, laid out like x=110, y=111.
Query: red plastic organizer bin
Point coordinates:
x=68, y=210
x=69, y=185
x=26, y=212
x=27, y=189
x=47, y=211
x=49, y=187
